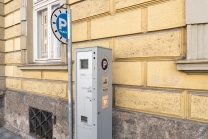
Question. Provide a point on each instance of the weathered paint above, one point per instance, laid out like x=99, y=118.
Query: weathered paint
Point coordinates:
x=162, y=44
x=150, y=101
x=143, y=35
x=164, y=74
x=134, y=70
x=167, y=15
x=198, y=106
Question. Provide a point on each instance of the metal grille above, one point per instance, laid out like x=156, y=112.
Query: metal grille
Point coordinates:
x=41, y=123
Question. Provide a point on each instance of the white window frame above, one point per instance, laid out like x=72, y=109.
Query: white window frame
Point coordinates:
x=37, y=6
x=196, y=59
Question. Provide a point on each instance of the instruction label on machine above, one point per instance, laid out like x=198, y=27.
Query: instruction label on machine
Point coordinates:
x=105, y=84
x=104, y=102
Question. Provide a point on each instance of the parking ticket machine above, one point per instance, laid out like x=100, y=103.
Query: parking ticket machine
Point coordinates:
x=93, y=97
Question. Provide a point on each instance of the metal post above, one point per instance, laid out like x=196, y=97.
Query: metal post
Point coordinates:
x=70, y=102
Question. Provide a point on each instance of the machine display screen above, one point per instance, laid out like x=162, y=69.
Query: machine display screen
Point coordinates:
x=84, y=63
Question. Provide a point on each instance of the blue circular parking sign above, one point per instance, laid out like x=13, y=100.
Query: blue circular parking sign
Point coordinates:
x=59, y=24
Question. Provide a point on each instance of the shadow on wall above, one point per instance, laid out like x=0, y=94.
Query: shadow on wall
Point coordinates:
x=1, y=108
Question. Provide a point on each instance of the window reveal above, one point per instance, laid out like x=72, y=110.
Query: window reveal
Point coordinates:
x=47, y=46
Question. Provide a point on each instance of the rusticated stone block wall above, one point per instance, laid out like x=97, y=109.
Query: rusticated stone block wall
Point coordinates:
x=2, y=42
x=134, y=125
x=2, y=62
x=1, y=108
x=17, y=113
x=126, y=124
x=146, y=37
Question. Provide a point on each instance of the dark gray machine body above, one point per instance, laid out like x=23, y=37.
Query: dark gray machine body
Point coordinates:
x=93, y=97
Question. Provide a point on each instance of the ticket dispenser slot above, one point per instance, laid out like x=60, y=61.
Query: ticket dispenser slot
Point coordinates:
x=93, y=97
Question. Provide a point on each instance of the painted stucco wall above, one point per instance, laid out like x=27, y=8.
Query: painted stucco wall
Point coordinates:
x=146, y=37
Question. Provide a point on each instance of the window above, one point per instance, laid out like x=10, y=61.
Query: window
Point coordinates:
x=41, y=123
x=45, y=18
x=38, y=44
x=196, y=58
x=46, y=46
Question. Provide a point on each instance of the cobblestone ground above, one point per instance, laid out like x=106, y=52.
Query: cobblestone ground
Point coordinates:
x=5, y=134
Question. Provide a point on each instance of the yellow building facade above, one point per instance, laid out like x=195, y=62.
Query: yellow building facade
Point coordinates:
x=158, y=88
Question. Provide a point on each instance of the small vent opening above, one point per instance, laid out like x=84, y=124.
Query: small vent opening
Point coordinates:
x=41, y=123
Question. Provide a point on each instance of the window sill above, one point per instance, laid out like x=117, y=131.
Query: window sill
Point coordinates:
x=193, y=66
x=44, y=66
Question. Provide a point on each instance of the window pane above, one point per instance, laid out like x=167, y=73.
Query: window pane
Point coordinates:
x=45, y=18
x=42, y=34
x=46, y=32
x=55, y=44
x=45, y=48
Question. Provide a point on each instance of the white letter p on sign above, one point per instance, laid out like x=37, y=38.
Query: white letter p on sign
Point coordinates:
x=62, y=23
x=104, y=63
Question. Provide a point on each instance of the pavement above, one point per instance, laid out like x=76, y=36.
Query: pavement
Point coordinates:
x=5, y=134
